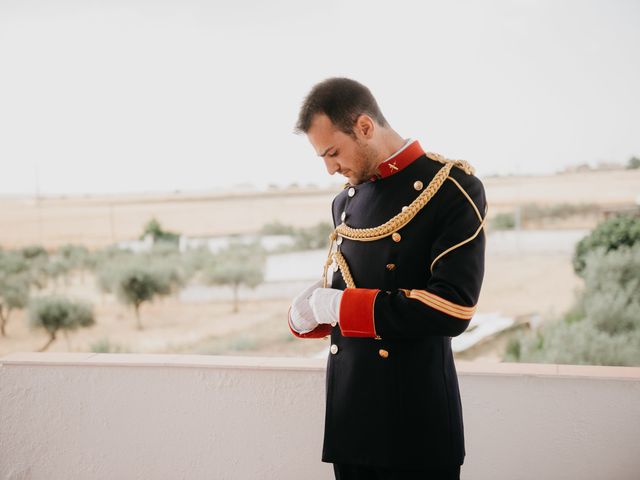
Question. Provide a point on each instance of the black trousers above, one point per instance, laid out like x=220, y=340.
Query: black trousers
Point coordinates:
x=357, y=472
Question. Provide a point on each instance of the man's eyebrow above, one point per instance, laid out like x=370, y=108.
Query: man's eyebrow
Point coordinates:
x=325, y=152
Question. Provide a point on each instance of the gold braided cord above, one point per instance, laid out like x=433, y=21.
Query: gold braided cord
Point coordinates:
x=468, y=198
x=401, y=219
x=458, y=244
x=344, y=269
x=396, y=222
x=327, y=263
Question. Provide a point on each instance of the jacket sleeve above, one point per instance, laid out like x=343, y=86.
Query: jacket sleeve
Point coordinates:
x=448, y=300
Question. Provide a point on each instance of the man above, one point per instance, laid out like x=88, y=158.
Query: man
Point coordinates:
x=407, y=259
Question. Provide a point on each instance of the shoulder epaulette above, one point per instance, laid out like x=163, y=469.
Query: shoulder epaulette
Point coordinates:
x=461, y=164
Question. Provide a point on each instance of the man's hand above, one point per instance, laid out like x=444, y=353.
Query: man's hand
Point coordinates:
x=302, y=317
x=325, y=304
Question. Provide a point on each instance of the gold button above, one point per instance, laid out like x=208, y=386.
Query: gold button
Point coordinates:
x=396, y=237
x=383, y=353
x=351, y=192
x=339, y=241
x=417, y=185
x=334, y=348
x=405, y=208
x=343, y=216
x=391, y=266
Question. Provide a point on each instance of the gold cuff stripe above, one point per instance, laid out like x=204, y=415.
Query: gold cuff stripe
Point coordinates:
x=445, y=306
x=445, y=303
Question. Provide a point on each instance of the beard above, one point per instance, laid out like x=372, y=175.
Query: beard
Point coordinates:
x=368, y=166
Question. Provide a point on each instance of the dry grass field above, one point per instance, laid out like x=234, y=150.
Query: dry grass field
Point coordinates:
x=96, y=221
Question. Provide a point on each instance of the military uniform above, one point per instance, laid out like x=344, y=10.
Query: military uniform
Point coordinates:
x=392, y=397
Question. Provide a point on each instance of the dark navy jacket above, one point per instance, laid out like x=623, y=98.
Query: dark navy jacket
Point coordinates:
x=392, y=397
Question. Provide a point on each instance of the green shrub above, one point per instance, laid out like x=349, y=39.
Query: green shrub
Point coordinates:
x=277, y=228
x=602, y=327
x=304, y=238
x=634, y=162
x=610, y=235
x=504, y=221
x=532, y=211
x=158, y=234
x=104, y=345
x=578, y=343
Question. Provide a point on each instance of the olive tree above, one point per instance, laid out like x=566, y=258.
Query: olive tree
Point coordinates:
x=55, y=313
x=37, y=259
x=238, y=264
x=14, y=286
x=138, y=281
x=78, y=257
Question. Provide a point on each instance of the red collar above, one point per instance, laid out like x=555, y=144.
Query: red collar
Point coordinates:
x=399, y=161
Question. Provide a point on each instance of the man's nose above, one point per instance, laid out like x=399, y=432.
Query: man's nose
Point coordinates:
x=332, y=165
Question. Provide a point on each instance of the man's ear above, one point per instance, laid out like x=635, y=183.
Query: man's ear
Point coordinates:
x=364, y=126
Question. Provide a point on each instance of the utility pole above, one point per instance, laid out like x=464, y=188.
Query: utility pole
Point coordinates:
x=38, y=205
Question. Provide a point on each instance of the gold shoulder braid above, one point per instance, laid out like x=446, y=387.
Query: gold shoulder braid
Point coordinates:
x=392, y=225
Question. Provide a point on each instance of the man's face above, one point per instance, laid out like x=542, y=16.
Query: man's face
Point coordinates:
x=351, y=157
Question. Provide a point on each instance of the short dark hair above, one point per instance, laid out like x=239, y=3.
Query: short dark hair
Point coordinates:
x=343, y=100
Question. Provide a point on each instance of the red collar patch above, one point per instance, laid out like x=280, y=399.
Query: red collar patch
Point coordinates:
x=399, y=161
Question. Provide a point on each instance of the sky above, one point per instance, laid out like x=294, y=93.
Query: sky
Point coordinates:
x=191, y=95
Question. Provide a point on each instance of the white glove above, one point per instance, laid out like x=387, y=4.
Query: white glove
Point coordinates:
x=325, y=303
x=301, y=316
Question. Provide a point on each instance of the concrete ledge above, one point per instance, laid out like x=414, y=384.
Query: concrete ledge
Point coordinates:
x=299, y=363
x=162, y=360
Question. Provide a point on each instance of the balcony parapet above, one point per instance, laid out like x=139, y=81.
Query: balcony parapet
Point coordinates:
x=154, y=416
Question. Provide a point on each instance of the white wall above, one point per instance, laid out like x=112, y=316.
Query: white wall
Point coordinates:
x=132, y=416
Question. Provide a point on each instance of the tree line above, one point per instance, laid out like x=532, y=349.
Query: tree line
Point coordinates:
x=31, y=278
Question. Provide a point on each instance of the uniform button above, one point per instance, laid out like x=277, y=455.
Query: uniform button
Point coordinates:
x=396, y=237
x=405, y=208
x=383, y=353
x=417, y=185
x=351, y=192
x=391, y=266
x=339, y=241
x=334, y=349
x=333, y=324
x=343, y=216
